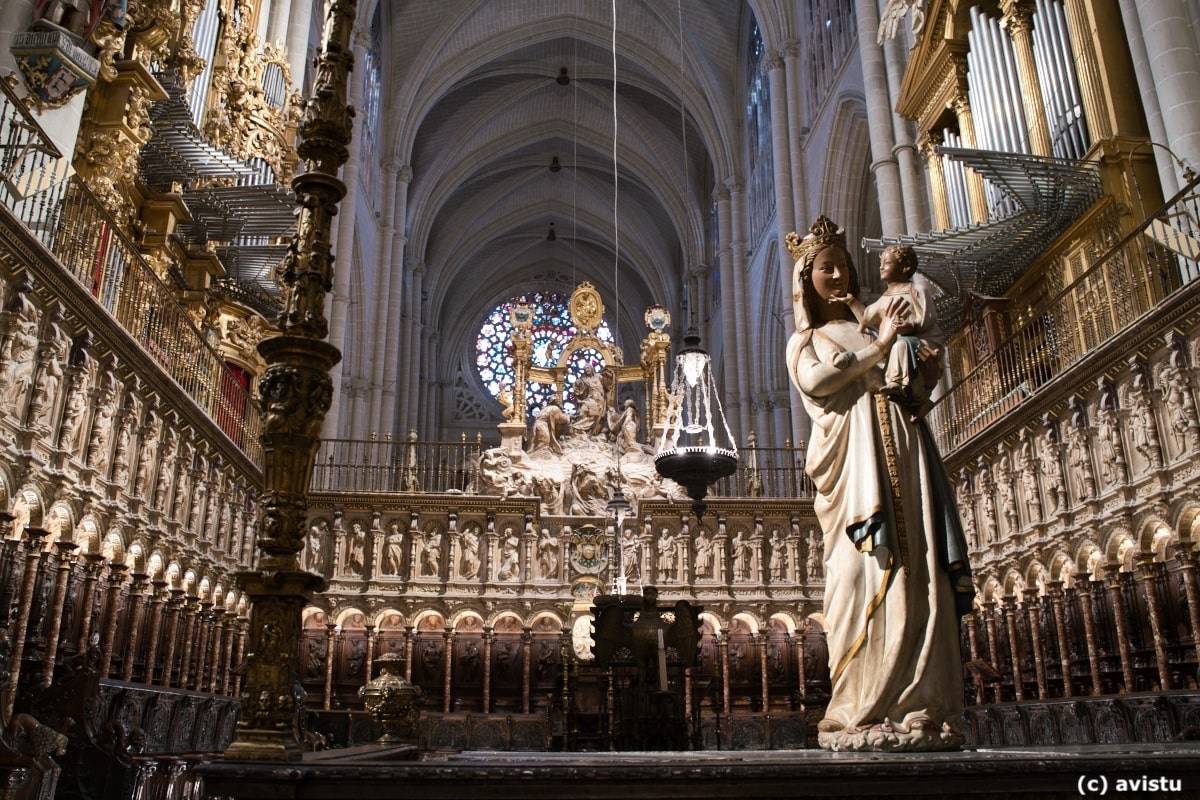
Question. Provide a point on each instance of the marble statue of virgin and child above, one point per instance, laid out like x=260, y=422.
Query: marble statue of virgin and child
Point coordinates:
x=897, y=579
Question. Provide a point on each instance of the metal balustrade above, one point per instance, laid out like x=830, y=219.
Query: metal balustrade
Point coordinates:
x=359, y=465
x=1141, y=271
x=89, y=245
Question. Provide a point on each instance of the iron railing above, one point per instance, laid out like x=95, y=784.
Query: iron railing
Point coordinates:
x=29, y=160
x=1137, y=274
x=357, y=465
x=88, y=243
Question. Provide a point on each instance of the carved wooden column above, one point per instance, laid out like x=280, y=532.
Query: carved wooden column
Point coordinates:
x=137, y=613
x=448, y=670
x=990, y=610
x=156, y=615
x=489, y=635
x=1186, y=557
x=526, y=656
x=174, y=611
x=66, y=561
x=1055, y=590
x=1010, y=615
x=1113, y=575
x=1148, y=572
x=93, y=566
x=112, y=613
x=973, y=649
x=726, y=694
x=330, y=647
x=1089, y=634
x=371, y=636
x=296, y=391
x=1033, y=615
x=408, y=653
x=763, y=642
x=33, y=553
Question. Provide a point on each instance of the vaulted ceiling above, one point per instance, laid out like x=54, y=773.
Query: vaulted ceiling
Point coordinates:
x=472, y=105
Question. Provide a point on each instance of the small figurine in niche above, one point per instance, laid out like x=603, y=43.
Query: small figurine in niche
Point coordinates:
x=914, y=363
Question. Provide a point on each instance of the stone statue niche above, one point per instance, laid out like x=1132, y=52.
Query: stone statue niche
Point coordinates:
x=569, y=461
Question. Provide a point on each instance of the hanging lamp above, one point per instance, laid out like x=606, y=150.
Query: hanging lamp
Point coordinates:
x=697, y=448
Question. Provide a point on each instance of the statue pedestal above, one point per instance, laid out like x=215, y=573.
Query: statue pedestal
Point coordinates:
x=512, y=436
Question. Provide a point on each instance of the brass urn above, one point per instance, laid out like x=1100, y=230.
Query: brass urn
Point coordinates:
x=392, y=700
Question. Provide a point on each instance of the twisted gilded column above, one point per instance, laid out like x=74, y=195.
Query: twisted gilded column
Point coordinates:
x=66, y=560
x=296, y=393
x=1018, y=20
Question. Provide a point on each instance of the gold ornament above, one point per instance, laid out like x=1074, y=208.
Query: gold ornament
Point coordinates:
x=586, y=307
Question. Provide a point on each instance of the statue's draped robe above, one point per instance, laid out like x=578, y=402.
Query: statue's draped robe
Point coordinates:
x=892, y=623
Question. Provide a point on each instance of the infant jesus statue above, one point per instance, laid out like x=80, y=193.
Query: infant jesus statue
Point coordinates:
x=913, y=364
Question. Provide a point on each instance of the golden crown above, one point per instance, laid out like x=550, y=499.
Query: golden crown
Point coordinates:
x=823, y=233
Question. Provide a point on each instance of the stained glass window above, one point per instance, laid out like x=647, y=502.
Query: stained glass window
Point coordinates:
x=552, y=329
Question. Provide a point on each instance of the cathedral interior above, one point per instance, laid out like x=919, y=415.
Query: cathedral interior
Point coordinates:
x=338, y=350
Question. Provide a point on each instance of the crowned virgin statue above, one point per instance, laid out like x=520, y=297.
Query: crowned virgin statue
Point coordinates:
x=896, y=573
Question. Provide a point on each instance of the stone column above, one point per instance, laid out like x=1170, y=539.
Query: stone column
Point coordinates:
x=792, y=52
x=785, y=205
x=204, y=625
x=526, y=656
x=408, y=652
x=912, y=180
x=801, y=667
x=1055, y=590
x=1113, y=574
x=1089, y=634
x=1033, y=615
x=330, y=648
x=729, y=328
x=112, y=614
x=973, y=649
x=372, y=635
x=175, y=612
x=1010, y=614
x=879, y=119
x=156, y=615
x=218, y=644
x=1149, y=95
x=763, y=643
x=66, y=561
x=395, y=307
x=447, y=670
x=1175, y=65
x=372, y=421
x=137, y=601
x=93, y=566
x=737, y=244
x=1018, y=19
x=489, y=635
x=238, y=655
x=416, y=333
x=1149, y=573
x=231, y=635
x=989, y=620
x=33, y=554
x=1186, y=557
x=726, y=694
x=189, y=610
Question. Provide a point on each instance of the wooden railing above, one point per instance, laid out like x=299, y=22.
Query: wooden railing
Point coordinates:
x=1145, y=268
